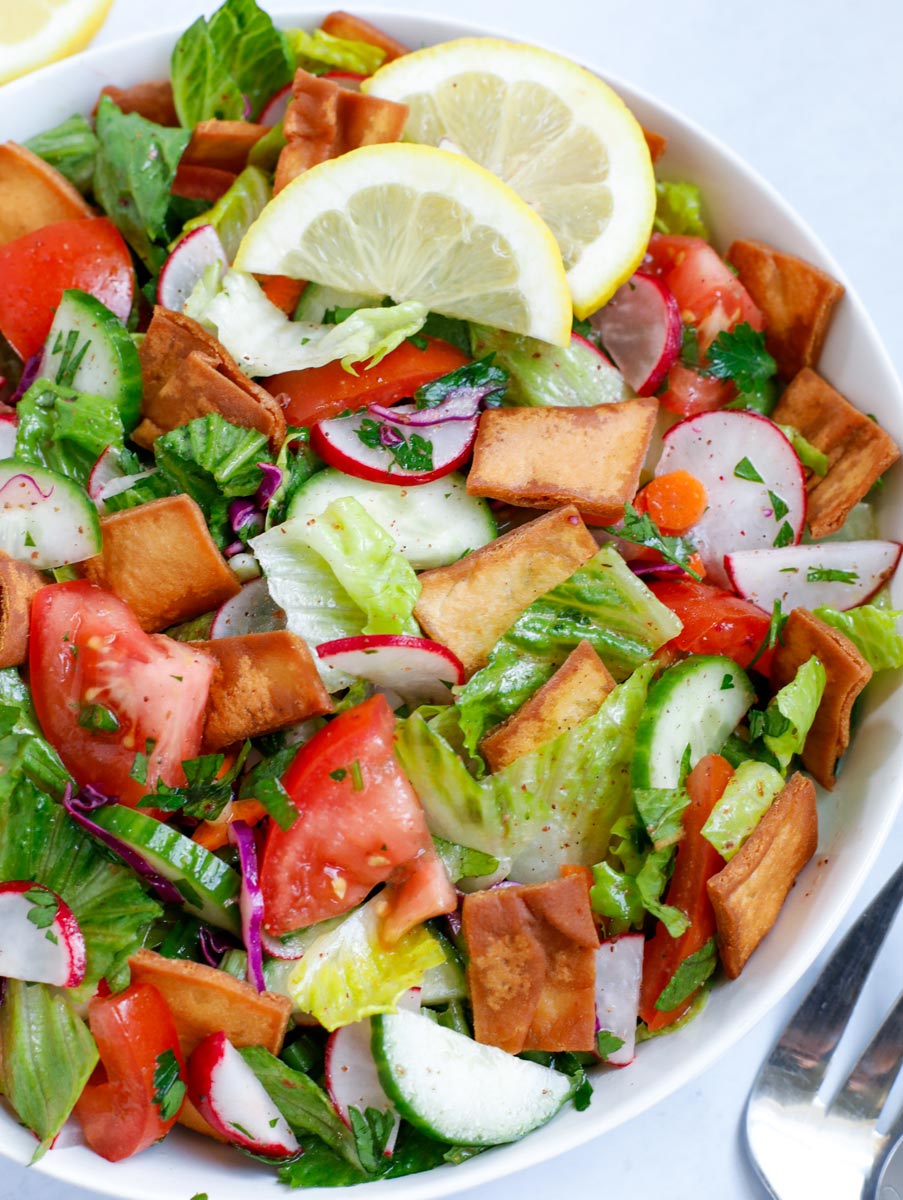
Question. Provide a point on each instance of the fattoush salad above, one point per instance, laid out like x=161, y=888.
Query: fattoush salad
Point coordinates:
x=433, y=576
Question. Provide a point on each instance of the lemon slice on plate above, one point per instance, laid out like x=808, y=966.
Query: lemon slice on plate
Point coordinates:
x=415, y=223
x=552, y=131
x=36, y=32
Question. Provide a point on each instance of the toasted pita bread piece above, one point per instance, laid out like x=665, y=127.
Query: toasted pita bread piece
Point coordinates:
x=355, y=29
x=34, y=194
x=847, y=674
x=324, y=120
x=796, y=299
x=202, y=1001
x=858, y=449
x=222, y=144
x=153, y=101
x=161, y=560
x=532, y=966
x=193, y=182
x=18, y=584
x=186, y=373
x=545, y=457
x=748, y=893
x=573, y=694
x=262, y=682
x=468, y=606
x=657, y=144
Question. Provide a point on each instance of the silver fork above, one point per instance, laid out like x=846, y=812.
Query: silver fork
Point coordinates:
x=806, y=1148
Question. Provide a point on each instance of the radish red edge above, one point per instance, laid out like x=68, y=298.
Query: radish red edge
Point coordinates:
x=234, y=1102
x=619, y=972
x=44, y=950
x=186, y=264
x=411, y=666
x=641, y=329
x=337, y=443
x=750, y=572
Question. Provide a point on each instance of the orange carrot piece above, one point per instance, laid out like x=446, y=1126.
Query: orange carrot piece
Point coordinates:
x=213, y=835
x=282, y=291
x=675, y=501
x=696, y=863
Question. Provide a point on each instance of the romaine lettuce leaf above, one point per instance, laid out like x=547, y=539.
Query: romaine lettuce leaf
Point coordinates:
x=46, y=1057
x=297, y=462
x=661, y=811
x=348, y=974
x=236, y=209
x=603, y=603
x=689, y=976
x=631, y=882
x=319, y=52
x=70, y=147
x=678, y=209
x=747, y=797
x=24, y=752
x=797, y=703
x=873, y=631
x=66, y=431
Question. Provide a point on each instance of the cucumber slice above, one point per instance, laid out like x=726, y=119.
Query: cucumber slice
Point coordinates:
x=46, y=520
x=456, y=1089
x=433, y=524
x=317, y=300
x=446, y=982
x=89, y=349
x=697, y=703
x=209, y=886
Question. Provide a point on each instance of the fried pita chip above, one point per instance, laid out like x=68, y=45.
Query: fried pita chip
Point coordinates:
x=153, y=101
x=858, y=449
x=193, y=182
x=18, y=584
x=796, y=299
x=34, y=194
x=222, y=144
x=748, y=893
x=847, y=672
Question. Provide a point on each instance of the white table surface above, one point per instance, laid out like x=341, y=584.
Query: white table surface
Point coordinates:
x=808, y=91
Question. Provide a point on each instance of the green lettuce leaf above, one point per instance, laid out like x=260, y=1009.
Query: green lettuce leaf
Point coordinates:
x=603, y=603
x=461, y=862
x=24, y=752
x=873, y=631
x=46, y=1057
x=678, y=209
x=797, y=703
x=265, y=152
x=661, y=811
x=747, y=797
x=133, y=174
x=319, y=52
x=70, y=147
x=236, y=209
x=689, y=976
x=632, y=880
x=348, y=974
x=319, y=1166
x=297, y=462
x=66, y=431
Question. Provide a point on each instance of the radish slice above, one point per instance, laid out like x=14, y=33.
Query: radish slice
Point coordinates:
x=417, y=669
x=253, y=610
x=641, y=329
x=828, y=575
x=754, y=482
x=108, y=479
x=193, y=254
x=619, y=971
x=274, y=109
x=230, y=1097
x=7, y=435
x=447, y=445
x=40, y=939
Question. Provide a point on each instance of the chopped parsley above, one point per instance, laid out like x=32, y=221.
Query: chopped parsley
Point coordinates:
x=780, y=506
x=357, y=776
x=607, y=1043
x=412, y=454
x=745, y=470
x=169, y=1086
x=338, y=774
x=72, y=355
x=831, y=575
x=641, y=530
x=784, y=536
x=739, y=354
x=98, y=719
x=43, y=910
x=727, y=683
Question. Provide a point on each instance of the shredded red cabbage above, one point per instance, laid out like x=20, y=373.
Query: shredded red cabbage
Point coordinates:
x=269, y=485
x=241, y=835
x=462, y=404
x=642, y=568
x=214, y=944
x=30, y=372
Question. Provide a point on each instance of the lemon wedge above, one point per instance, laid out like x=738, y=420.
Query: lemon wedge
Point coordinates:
x=36, y=32
x=556, y=134
x=416, y=223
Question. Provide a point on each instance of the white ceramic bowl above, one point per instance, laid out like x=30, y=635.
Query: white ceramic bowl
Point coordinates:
x=855, y=819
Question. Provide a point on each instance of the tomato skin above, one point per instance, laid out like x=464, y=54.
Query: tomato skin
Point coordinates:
x=352, y=831
x=87, y=253
x=688, y=393
x=319, y=393
x=714, y=621
x=116, y=1109
x=86, y=647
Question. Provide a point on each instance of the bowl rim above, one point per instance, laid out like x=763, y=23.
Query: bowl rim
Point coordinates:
x=575, y=1129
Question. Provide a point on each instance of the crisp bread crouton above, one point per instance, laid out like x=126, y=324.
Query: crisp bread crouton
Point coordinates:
x=573, y=694
x=18, y=584
x=161, y=560
x=544, y=457
x=858, y=449
x=186, y=373
x=262, y=682
x=656, y=142
x=34, y=194
x=469, y=605
x=748, y=893
x=222, y=144
x=532, y=966
x=847, y=673
x=796, y=300
x=153, y=101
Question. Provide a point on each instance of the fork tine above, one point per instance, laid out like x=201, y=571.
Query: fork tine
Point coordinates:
x=803, y=1054
x=865, y=1090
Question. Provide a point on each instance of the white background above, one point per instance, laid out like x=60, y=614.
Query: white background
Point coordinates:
x=809, y=92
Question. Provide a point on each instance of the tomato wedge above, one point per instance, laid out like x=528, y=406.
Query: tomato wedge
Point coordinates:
x=88, y=254
x=103, y=688
x=323, y=392
x=359, y=819
x=714, y=621
x=136, y=1093
x=696, y=863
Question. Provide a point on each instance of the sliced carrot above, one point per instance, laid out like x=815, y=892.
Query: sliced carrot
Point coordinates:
x=674, y=501
x=282, y=291
x=213, y=835
x=697, y=861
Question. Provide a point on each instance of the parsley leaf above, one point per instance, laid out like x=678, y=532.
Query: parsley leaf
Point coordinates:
x=641, y=530
x=780, y=506
x=169, y=1086
x=775, y=629
x=98, y=719
x=206, y=791
x=371, y=1130
x=414, y=454
x=784, y=536
x=607, y=1043
x=481, y=378
x=740, y=355
x=745, y=470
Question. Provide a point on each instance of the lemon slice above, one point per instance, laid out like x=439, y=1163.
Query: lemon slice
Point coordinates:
x=36, y=32
x=415, y=223
x=555, y=133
